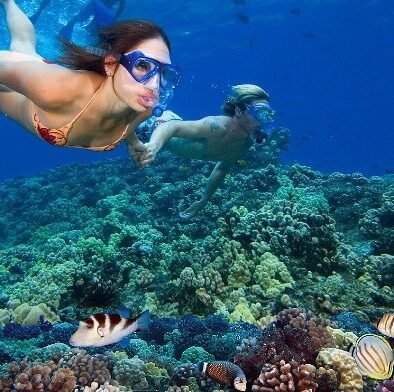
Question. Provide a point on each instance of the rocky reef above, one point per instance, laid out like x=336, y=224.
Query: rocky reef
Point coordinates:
x=280, y=258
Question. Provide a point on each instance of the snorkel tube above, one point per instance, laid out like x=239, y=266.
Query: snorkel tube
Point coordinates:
x=260, y=136
x=164, y=99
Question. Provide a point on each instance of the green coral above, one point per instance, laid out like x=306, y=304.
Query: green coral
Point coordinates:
x=242, y=312
x=45, y=284
x=47, y=353
x=26, y=314
x=195, y=354
x=272, y=276
x=19, y=349
x=131, y=373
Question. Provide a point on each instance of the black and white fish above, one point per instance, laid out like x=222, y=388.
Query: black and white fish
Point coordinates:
x=374, y=356
x=386, y=325
x=103, y=329
x=225, y=373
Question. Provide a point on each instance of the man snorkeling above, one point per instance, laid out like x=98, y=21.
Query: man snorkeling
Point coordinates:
x=224, y=139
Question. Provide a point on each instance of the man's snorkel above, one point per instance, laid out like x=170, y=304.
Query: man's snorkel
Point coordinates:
x=259, y=136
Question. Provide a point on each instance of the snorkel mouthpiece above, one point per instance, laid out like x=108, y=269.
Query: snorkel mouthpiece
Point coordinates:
x=164, y=99
x=158, y=111
x=260, y=136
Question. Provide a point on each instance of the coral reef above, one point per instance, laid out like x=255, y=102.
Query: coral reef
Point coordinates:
x=49, y=377
x=88, y=368
x=131, y=373
x=286, y=377
x=386, y=386
x=378, y=224
x=278, y=274
x=349, y=378
x=288, y=218
x=295, y=336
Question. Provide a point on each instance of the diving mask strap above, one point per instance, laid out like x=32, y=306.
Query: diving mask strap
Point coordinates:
x=96, y=51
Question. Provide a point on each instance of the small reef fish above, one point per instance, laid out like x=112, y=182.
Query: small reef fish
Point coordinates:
x=103, y=329
x=374, y=356
x=225, y=373
x=386, y=325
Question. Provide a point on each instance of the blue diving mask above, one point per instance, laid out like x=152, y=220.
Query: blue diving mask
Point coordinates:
x=262, y=113
x=143, y=68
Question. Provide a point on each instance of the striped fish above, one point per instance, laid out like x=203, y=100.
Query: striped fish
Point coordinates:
x=225, y=373
x=374, y=356
x=386, y=325
x=103, y=329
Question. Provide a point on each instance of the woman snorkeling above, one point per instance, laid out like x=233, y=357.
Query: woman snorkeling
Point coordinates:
x=89, y=99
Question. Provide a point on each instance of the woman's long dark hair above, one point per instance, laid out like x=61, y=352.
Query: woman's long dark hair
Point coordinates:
x=114, y=39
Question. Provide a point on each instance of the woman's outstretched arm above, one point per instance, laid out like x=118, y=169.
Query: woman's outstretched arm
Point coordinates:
x=44, y=84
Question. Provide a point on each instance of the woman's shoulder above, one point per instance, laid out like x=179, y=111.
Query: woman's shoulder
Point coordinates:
x=69, y=85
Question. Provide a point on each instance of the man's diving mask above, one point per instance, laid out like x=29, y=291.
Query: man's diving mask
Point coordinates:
x=143, y=68
x=262, y=113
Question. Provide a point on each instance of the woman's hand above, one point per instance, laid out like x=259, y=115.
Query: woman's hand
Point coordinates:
x=137, y=151
x=149, y=155
x=142, y=154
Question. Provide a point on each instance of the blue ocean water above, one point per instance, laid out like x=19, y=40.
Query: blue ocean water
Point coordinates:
x=277, y=267
x=328, y=66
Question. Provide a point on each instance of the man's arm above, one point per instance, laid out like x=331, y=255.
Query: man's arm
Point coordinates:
x=214, y=181
x=199, y=129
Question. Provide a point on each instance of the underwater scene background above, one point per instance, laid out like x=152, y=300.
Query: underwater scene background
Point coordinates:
x=291, y=261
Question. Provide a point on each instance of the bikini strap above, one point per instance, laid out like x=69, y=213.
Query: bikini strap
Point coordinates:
x=114, y=144
x=124, y=133
x=71, y=123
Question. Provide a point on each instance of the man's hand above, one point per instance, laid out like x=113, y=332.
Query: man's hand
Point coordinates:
x=149, y=155
x=193, y=210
